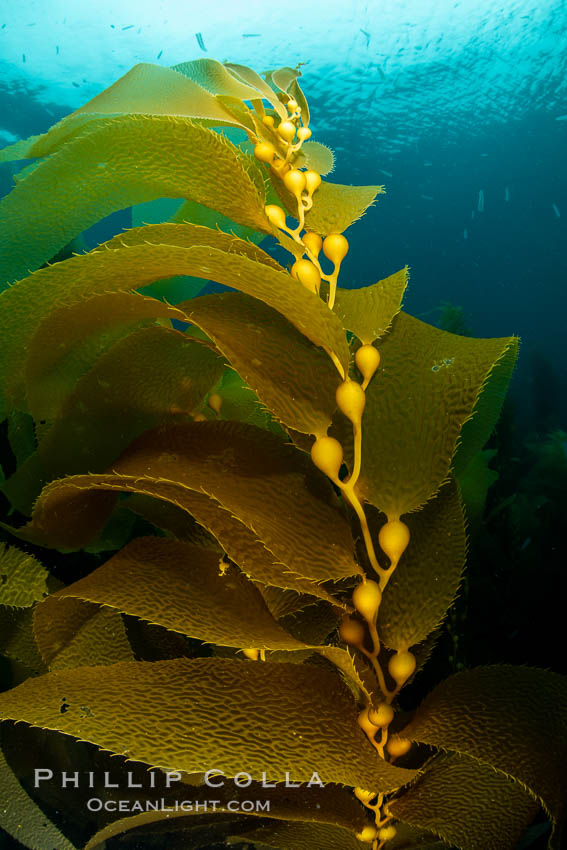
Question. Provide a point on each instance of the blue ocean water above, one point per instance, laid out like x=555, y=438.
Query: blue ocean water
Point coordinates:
x=458, y=108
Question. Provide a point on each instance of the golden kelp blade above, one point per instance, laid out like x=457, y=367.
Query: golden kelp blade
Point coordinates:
x=71, y=338
x=216, y=79
x=496, y=715
x=435, y=559
x=89, y=635
x=95, y=499
x=241, y=713
x=24, y=579
x=283, y=492
x=196, y=217
x=33, y=298
x=426, y=388
x=113, y=164
x=144, y=90
x=254, y=80
x=292, y=377
x=337, y=206
x=183, y=233
x=197, y=214
x=240, y=402
x=414, y=838
x=172, y=584
x=491, y=810
x=369, y=311
x=285, y=79
x=317, y=157
x=22, y=818
x=148, y=377
x=17, y=640
x=175, y=585
x=479, y=427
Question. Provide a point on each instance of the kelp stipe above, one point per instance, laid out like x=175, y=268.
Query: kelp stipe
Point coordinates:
x=252, y=607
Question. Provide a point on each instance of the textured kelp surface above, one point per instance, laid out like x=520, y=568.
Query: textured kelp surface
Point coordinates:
x=502, y=808
x=224, y=731
x=253, y=497
x=496, y=733
x=436, y=562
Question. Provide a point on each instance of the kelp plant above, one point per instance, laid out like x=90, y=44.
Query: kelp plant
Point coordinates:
x=264, y=482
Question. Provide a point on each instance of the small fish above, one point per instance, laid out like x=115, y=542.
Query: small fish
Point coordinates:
x=480, y=205
x=160, y=54
x=387, y=173
x=200, y=41
x=427, y=197
x=3, y=27
x=57, y=49
x=129, y=27
x=23, y=57
x=557, y=118
x=367, y=35
x=556, y=210
x=250, y=35
x=506, y=194
x=77, y=86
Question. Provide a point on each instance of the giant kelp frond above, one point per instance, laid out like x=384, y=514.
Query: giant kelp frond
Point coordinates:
x=218, y=80
x=186, y=234
x=294, y=379
x=254, y=601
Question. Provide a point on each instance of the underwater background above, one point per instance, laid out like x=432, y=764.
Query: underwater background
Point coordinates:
x=460, y=110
